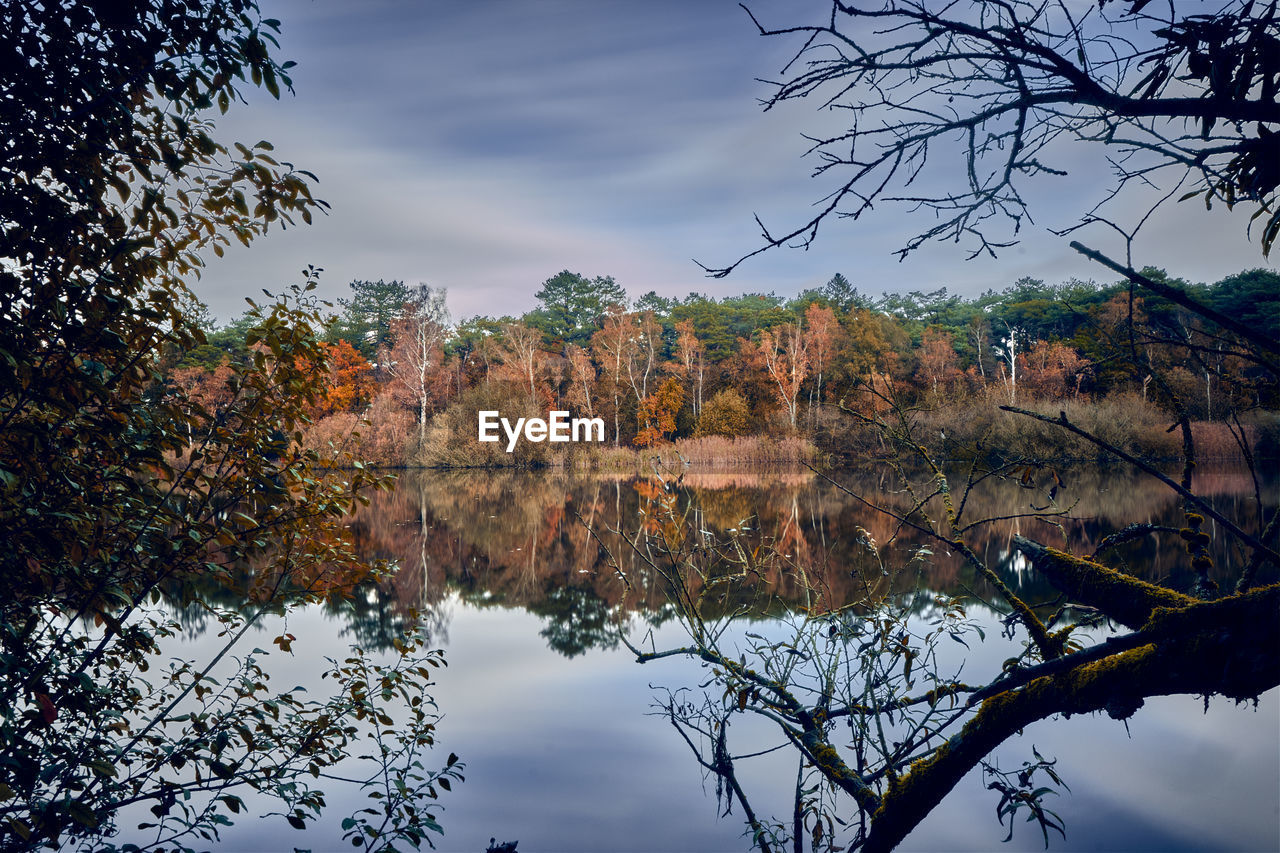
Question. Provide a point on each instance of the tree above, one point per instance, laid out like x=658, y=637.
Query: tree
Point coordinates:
x=119, y=491
x=784, y=357
x=660, y=306
x=212, y=389
x=522, y=359
x=1008, y=350
x=872, y=344
x=643, y=353
x=229, y=340
x=842, y=294
x=938, y=361
x=473, y=344
x=978, y=333
x=883, y=733
x=1054, y=370
x=726, y=413
x=821, y=332
x=351, y=386
x=690, y=362
x=367, y=317
x=416, y=358
x=1252, y=296
x=614, y=345
x=572, y=305
x=1181, y=96
x=582, y=380
x=657, y=413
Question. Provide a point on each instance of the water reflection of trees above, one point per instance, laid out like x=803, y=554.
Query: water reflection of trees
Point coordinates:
x=517, y=539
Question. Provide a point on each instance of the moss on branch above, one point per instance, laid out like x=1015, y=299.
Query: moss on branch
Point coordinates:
x=1222, y=647
x=1125, y=599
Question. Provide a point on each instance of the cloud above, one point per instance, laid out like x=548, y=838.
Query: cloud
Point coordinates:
x=485, y=146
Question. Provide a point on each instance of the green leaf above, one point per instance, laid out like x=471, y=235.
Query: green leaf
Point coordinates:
x=82, y=815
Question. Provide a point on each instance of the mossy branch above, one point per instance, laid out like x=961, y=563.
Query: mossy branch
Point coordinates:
x=1125, y=599
x=1223, y=647
x=1128, y=534
x=811, y=737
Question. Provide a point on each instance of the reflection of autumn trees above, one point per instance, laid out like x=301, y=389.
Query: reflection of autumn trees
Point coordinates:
x=518, y=539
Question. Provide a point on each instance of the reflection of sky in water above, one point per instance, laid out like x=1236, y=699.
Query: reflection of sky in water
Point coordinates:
x=561, y=755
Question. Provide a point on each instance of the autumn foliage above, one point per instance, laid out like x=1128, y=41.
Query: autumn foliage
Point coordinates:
x=815, y=367
x=658, y=414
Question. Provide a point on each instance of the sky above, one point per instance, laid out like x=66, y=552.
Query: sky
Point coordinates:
x=484, y=146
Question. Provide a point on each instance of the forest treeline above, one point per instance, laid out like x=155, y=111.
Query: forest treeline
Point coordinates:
x=753, y=377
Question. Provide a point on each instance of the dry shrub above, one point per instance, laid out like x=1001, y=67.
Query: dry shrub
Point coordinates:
x=453, y=437
x=385, y=439
x=378, y=438
x=1218, y=440
x=714, y=480
x=1124, y=421
x=707, y=452
x=332, y=436
x=596, y=457
x=715, y=450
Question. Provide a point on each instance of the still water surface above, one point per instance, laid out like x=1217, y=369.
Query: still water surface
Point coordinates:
x=554, y=720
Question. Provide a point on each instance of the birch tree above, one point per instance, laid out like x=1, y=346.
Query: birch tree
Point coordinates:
x=613, y=345
x=643, y=354
x=690, y=352
x=1007, y=350
x=522, y=356
x=821, y=338
x=782, y=353
x=417, y=350
x=582, y=379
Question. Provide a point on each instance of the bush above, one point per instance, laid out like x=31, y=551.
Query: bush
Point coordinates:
x=381, y=437
x=453, y=435
x=746, y=450
x=725, y=414
x=1125, y=421
x=385, y=439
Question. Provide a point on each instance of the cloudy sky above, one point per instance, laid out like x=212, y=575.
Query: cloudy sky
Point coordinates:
x=485, y=145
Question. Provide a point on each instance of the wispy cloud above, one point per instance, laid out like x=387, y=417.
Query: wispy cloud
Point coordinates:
x=484, y=146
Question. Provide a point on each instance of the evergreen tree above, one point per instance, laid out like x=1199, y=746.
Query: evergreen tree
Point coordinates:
x=571, y=306
x=366, y=318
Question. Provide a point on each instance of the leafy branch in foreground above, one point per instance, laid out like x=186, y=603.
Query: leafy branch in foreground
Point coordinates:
x=122, y=495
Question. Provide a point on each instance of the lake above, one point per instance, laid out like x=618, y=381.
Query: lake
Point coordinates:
x=555, y=720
